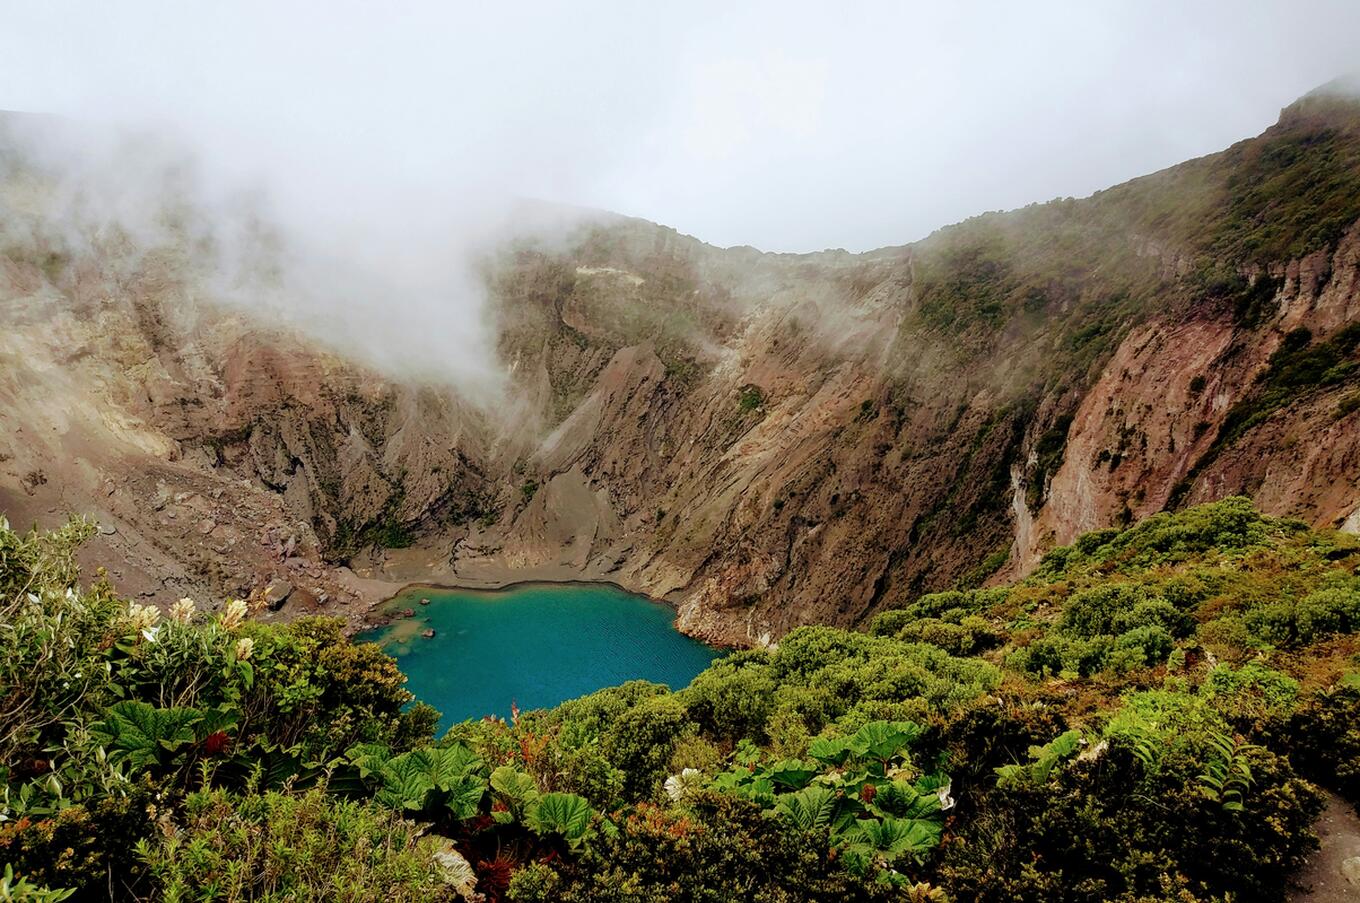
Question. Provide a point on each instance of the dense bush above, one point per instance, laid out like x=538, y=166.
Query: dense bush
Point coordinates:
x=112, y=712
x=1106, y=827
x=718, y=848
x=278, y=846
x=1323, y=737
x=79, y=843
x=1129, y=723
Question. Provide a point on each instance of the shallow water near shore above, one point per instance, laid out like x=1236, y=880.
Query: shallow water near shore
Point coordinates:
x=533, y=645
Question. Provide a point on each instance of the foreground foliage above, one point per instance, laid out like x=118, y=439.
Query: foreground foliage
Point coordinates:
x=1148, y=716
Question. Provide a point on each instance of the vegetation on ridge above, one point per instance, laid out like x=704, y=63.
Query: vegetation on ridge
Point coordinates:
x=1147, y=717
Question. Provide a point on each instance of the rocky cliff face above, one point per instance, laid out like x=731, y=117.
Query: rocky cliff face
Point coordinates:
x=1175, y=417
x=767, y=440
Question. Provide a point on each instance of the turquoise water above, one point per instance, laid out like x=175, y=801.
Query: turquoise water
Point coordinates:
x=535, y=644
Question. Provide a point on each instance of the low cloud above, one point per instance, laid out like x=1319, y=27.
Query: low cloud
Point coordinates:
x=389, y=279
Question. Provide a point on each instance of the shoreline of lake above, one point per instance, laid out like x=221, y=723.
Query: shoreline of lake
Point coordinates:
x=490, y=587
x=478, y=651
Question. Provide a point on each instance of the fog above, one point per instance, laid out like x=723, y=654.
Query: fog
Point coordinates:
x=788, y=126
x=388, y=142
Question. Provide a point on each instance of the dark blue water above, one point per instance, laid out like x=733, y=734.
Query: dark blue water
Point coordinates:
x=534, y=645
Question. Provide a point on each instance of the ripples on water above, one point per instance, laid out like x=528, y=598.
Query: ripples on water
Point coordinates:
x=534, y=645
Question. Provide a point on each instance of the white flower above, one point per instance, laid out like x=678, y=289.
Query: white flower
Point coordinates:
x=245, y=648
x=946, y=801
x=149, y=634
x=142, y=617
x=233, y=614
x=182, y=612
x=678, y=785
x=1095, y=752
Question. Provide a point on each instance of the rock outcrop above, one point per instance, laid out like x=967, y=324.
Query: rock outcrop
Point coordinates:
x=767, y=440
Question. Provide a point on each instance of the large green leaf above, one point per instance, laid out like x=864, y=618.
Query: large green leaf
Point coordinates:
x=515, y=790
x=883, y=740
x=561, y=813
x=895, y=836
x=923, y=835
x=730, y=781
x=1045, y=759
x=513, y=784
x=424, y=779
x=220, y=719
x=1061, y=747
x=461, y=757
x=811, y=808
x=793, y=774
x=931, y=783
x=368, y=758
x=900, y=799
x=407, y=784
x=754, y=786
x=445, y=765
x=463, y=797
x=144, y=735
x=831, y=751
x=279, y=765
x=1011, y=775
x=761, y=791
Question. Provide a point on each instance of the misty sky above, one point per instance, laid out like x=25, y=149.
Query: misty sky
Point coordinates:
x=789, y=125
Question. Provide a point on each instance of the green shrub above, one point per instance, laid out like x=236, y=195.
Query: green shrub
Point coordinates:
x=237, y=751
x=1337, y=607
x=1155, y=613
x=888, y=623
x=1140, y=647
x=1349, y=404
x=1108, y=829
x=18, y=889
x=51, y=651
x=952, y=638
x=719, y=847
x=731, y=699
x=275, y=846
x=534, y=882
x=1250, y=695
x=1227, y=527
x=640, y=742
x=1323, y=738
x=81, y=845
x=1100, y=609
x=1044, y=657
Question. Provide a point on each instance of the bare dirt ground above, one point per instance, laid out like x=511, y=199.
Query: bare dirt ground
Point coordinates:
x=1324, y=879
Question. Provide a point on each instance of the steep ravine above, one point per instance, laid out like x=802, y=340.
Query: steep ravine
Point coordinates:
x=766, y=440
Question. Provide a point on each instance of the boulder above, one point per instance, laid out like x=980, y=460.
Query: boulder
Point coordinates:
x=277, y=594
x=1350, y=870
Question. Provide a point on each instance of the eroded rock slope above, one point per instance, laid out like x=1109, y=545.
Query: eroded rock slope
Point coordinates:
x=768, y=440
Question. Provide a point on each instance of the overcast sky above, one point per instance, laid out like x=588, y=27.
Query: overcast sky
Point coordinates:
x=788, y=125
